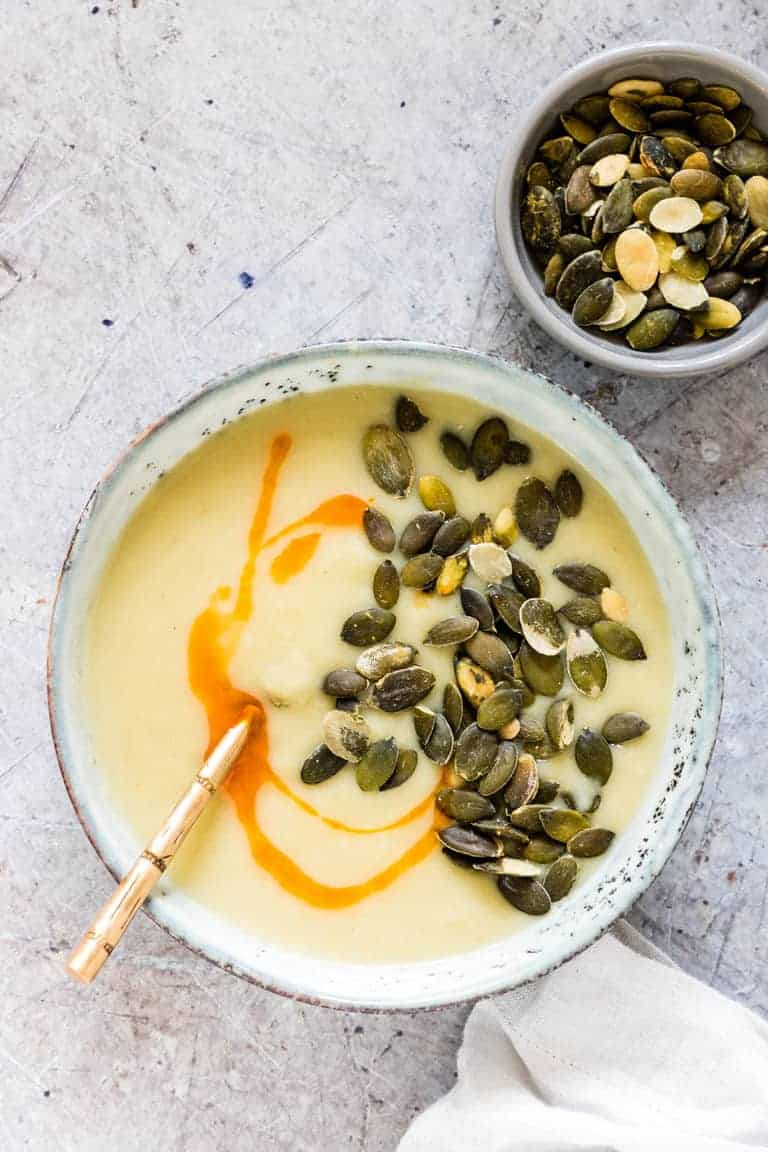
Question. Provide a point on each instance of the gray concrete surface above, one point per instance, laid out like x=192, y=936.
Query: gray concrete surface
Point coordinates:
x=343, y=154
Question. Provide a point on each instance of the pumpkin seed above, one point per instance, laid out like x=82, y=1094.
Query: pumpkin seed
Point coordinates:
x=498, y=709
x=643, y=204
x=513, y=839
x=524, y=577
x=320, y=765
x=676, y=214
x=368, y=626
x=741, y=118
x=486, y=452
x=377, y=765
x=582, y=610
x=552, y=272
x=467, y=842
x=635, y=90
x=581, y=131
x=346, y=734
x=652, y=329
x=436, y=496
x=559, y=721
x=608, y=170
x=569, y=494
x=386, y=585
x=536, y=512
x=475, y=604
x=593, y=109
x=511, y=730
x=735, y=234
x=547, y=791
x=724, y=285
x=629, y=115
x=389, y=656
x=637, y=259
x=617, y=639
x=482, y=529
x=587, y=579
x=451, y=536
x=475, y=683
x=612, y=143
x=542, y=850
x=516, y=452
x=507, y=866
x=712, y=210
x=407, y=760
x=744, y=157
x=344, y=683
x=593, y=755
x=617, y=209
x=452, y=574
x=489, y=561
x=541, y=627
x=560, y=877
x=453, y=630
x=579, y=196
x=418, y=534
x=592, y=304
x=455, y=450
x=527, y=896
x=526, y=817
x=421, y=571
x=586, y=663
x=475, y=752
x=557, y=150
x=714, y=129
x=727, y=98
x=751, y=246
x=665, y=246
x=757, y=200
x=389, y=460
x=408, y=415
x=696, y=183
x=501, y=770
x=538, y=173
x=686, y=87
x=505, y=527
x=609, y=265
x=378, y=529
x=734, y=195
x=632, y=305
x=745, y=299
x=590, y=842
x=403, y=688
x=453, y=707
x=680, y=292
x=346, y=704
x=439, y=747
x=541, y=221
x=686, y=264
x=543, y=674
x=507, y=604
x=578, y=275
x=698, y=160
x=614, y=606
x=491, y=653
x=424, y=720
x=624, y=726
x=573, y=244
x=562, y=824
x=656, y=157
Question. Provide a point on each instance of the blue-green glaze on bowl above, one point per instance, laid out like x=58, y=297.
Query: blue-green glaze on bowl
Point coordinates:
x=636, y=856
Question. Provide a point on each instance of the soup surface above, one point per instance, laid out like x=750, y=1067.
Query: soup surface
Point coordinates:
x=230, y=585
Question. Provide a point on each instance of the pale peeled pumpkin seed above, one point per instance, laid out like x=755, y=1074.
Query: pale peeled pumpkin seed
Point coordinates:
x=637, y=259
x=665, y=246
x=608, y=170
x=490, y=562
x=677, y=214
x=680, y=292
x=615, y=312
x=757, y=200
x=632, y=304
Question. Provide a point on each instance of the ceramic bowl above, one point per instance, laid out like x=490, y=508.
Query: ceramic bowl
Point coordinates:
x=662, y=61
x=635, y=858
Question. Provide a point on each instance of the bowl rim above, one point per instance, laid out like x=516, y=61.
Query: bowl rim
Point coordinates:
x=714, y=669
x=723, y=354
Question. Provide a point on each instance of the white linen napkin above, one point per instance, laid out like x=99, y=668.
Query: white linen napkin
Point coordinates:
x=616, y=1051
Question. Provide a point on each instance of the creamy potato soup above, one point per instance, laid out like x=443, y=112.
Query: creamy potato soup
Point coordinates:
x=231, y=586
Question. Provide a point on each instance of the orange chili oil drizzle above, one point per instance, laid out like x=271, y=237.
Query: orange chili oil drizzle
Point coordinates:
x=213, y=640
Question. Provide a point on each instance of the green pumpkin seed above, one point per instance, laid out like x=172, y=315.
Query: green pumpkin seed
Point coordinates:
x=618, y=640
x=547, y=791
x=320, y=765
x=507, y=603
x=712, y=210
x=727, y=98
x=652, y=329
x=679, y=146
x=557, y=150
x=491, y=653
x=670, y=117
x=424, y=721
x=452, y=574
x=407, y=760
x=475, y=752
x=464, y=805
x=346, y=734
x=686, y=87
x=581, y=131
x=593, y=755
x=541, y=221
x=389, y=460
x=542, y=850
x=734, y=195
x=408, y=415
x=714, y=129
x=528, y=697
x=402, y=689
x=523, y=785
x=718, y=234
x=578, y=275
x=368, y=626
x=467, y=842
x=543, y=674
x=552, y=272
x=587, y=579
x=560, y=877
x=749, y=248
x=741, y=118
x=656, y=158
x=590, y=842
x=607, y=145
x=527, y=896
x=344, y=684
x=562, y=824
x=569, y=494
x=531, y=731
x=559, y=721
x=732, y=242
x=475, y=604
x=498, y=709
x=455, y=450
x=624, y=726
x=592, y=304
x=439, y=747
x=378, y=529
x=629, y=115
x=644, y=204
x=582, y=610
x=536, y=512
x=475, y=683
x=524, y=577
x=421, y=571
x=747, y=297
x=571, y=245
x=538, y=173
x=594, y=109
x=541, y=627
x=436, y=496
x=377, y=765
x=526, y=818
x=453, y=630
x=744, y=157
x=451, y=536
x=579, y=196
x=388, y=656
x=586, y=663
x=486, y=452
x=418, y=534
x=516, y=452
x=453, y=707
x=724, y=285
x=697, y=183
x=482, y=529
x=501, y=770
x=386, y=585
x=686, y=264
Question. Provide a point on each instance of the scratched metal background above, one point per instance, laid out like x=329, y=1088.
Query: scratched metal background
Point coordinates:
x=343, y=156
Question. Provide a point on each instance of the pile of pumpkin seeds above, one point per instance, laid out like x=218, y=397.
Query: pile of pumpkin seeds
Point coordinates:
x=510, y=820
x=647, y=210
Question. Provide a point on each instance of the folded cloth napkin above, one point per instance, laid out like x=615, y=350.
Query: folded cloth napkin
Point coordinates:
x=616, y=1051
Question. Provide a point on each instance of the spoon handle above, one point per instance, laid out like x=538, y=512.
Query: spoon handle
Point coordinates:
x=86, y=959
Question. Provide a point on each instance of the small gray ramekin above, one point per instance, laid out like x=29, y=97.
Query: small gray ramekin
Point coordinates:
x=658, y=61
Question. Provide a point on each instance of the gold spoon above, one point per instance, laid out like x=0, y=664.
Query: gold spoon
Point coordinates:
x=86, y=959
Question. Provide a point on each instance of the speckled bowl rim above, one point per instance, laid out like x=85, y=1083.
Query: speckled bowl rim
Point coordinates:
x=721, y=354
x=161, y=910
